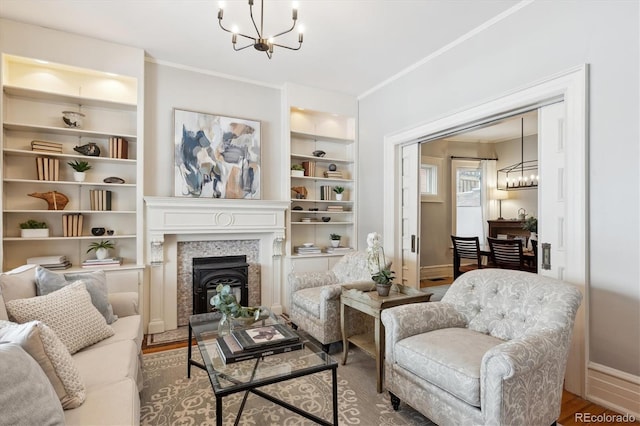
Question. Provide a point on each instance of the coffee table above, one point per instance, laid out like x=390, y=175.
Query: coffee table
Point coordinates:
x=363, y=297
x=250, y=375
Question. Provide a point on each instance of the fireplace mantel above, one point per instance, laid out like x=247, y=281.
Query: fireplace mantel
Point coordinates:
x=168, y=219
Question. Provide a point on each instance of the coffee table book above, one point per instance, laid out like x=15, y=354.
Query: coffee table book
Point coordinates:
x=260, y=337
x=231, y=351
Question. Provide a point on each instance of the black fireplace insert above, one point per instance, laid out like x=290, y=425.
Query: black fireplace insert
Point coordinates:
x=208, y=272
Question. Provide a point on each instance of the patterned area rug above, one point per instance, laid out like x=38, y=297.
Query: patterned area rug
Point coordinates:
x=169, y=398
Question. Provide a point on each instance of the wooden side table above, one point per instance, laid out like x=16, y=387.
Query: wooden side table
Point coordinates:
x=364, y=298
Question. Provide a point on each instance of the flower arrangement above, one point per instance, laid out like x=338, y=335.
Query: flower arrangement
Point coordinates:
x=381, y=272
x=225, y=301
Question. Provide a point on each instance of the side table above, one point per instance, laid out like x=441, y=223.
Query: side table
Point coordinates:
x=364, y=298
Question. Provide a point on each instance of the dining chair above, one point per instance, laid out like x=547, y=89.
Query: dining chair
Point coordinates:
x=465, y=248
x=508, y=254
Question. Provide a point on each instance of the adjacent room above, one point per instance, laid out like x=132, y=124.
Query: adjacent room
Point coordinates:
x=319, y=212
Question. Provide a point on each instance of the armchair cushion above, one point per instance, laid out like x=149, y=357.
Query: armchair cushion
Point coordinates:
x=308, y=298
x=449, y=358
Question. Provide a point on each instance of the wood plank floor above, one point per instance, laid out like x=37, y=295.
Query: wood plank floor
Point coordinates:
x=574, y=409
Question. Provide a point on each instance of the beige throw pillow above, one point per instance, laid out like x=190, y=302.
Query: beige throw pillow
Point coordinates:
x=43, y=345
x=70, y=314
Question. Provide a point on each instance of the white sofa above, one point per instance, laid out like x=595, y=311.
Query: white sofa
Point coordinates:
x=111, y=369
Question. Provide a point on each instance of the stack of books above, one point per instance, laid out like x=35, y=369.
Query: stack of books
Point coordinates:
x=50, y=262
x=258, y=342
x=308, y=250
x=335, y=209
x=333, y=174
x=339, y=249
x=72, y=225
x=309, y=168
x=100, y=199
x=118, y=148
x=47, y=168
x=325, y=192
x=44, y=146
x=100, y=263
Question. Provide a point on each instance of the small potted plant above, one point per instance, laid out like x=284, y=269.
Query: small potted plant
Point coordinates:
x=297, y=170
x=339, y=190
x=381, y=272
x=79, y=170
x=335, y=239
x=34, y=229
x=101, y=248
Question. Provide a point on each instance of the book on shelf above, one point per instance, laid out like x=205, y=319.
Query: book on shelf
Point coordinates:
x=308, y=250
x=47, y=168
x=72, y=225
x=334, y=175
x=98, y=263
x=231, y=351
x=100, y=199
x=47, y=260
x=309, y=168
x=118, y=148
x=45, y=146
x=58, y=266
x=338, y=249
x=264, y=336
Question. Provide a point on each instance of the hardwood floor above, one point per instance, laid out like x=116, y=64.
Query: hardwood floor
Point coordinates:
x=575, y=410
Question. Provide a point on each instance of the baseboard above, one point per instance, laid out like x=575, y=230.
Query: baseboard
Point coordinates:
x=438, y=271
x=613, y=389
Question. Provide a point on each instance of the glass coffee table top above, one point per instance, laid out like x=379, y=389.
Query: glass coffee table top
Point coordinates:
x=256, y=372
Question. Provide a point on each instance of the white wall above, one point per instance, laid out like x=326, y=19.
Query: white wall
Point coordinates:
x=169, y=87
x=538, y=41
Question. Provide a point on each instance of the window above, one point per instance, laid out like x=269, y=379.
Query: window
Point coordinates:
x=467, y=183
x=431, y=182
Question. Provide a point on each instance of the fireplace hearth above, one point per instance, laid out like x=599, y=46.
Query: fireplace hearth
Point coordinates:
x=209, y=272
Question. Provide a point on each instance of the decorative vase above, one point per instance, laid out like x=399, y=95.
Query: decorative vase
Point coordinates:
x=224, y=326
x=102, y=253
x=335, y=243
x=79, y=176
x=339, y=197
x=383, y=289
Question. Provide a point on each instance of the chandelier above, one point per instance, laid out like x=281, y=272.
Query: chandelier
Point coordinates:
x=260, y=42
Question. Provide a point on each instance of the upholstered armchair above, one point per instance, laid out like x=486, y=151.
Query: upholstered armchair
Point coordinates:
x=492, y=352
x=315, y=296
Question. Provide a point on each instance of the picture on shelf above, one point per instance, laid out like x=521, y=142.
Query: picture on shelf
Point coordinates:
x=216, y=156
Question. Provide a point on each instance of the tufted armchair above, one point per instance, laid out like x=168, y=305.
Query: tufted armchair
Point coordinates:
x=315, y=296
x=492, y=352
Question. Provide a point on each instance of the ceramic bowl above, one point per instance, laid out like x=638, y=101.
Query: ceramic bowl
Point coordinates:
x=326, y=218
x=307, y=244
x=72, y=118
x=97, y=231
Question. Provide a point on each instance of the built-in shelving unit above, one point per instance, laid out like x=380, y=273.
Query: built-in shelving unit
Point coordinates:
x=312, y=131
x=34, y=94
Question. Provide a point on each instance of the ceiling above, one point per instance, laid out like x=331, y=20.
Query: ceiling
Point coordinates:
x=350, y=46
x=502, y=130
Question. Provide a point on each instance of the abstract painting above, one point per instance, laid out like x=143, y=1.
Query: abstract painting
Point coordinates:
x=216, y=156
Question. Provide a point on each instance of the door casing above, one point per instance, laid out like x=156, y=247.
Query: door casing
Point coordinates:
x=569, y=86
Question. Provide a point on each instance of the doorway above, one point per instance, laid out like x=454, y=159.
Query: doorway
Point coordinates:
x=570, y=87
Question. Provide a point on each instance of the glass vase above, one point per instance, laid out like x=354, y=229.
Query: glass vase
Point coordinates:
x=224, y=326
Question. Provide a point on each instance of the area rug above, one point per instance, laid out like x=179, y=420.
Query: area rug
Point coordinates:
x=169, y=398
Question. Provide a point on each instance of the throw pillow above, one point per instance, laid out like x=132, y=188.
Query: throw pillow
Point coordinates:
x=68, y=312
x=96, y=281
x=18, y=283
x=43, y=345
x=26, y=390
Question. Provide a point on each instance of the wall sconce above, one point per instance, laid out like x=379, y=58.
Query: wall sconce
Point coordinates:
x=157, y=252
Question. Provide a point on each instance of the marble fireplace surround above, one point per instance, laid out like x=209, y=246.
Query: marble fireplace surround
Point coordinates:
x=170, y=220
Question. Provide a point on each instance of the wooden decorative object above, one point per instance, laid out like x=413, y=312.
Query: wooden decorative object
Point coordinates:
x=55, y=200
x=299, y=192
